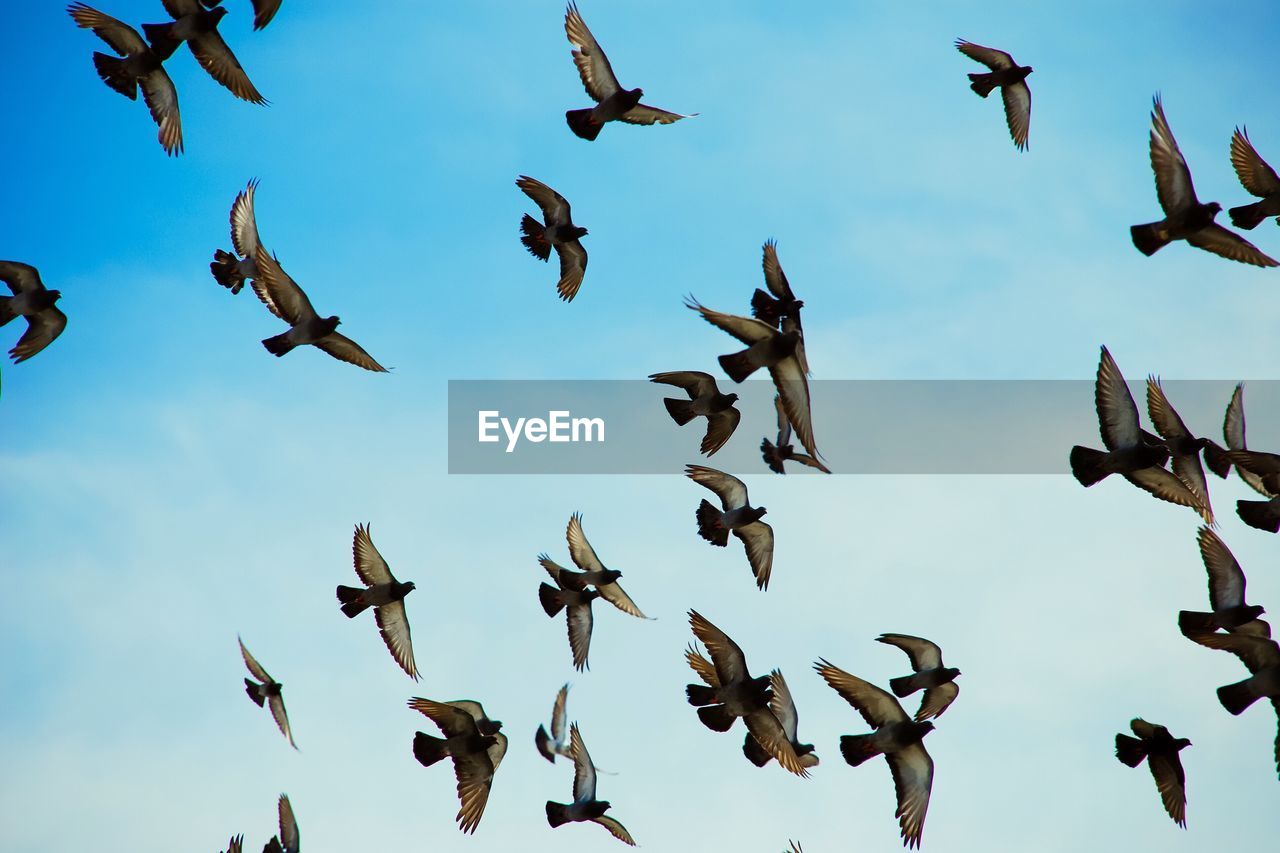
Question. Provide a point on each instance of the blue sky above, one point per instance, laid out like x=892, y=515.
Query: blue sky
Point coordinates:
x=169, y=484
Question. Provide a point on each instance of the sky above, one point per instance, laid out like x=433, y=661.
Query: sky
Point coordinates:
x=168, y=485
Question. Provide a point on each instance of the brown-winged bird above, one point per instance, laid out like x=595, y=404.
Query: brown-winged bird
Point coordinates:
x=557, y=232
x=289, y=839
x=198, y=27
x=585, y=806
x=34, y=303
x=937, y=681
x=1262, y=657
x=1264, y=515
x=777, y=455
x=736, y=516
x=1262, y=472
x=1011, y=78
x=1160, y=749
x=268, y=692
x=1184, y=448
x=233, y=269
x=705, y=400
x=1258, y=178
x=473, y=741
x=385, y=595
x=1226, y=594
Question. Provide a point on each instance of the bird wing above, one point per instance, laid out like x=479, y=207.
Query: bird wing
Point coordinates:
x=1214, y=238
x=1233, y=433
x=580, y=550
x=181, y=8
x=244, y=225
x=370, y=567
x=475, y=779
x=726, y=656
x=42, y=329
x=216, y=57
x=616, y=829
x=264, y=11
x=1255, y=175
x=783, y=706
x=558, y=715
x=912, y=770
x=123, y=38
x=161, y=98
x=731, y=491
x=251, y=662
x=1256, y=461
x=343, y=348
x=579, y=619
x=694, y=382
x=996, y=60
x=1017, y=112
x=20, y=277
x=923, y=653
x=746, y=329
x=617, y=596
x=235, y=844
x=1163, y=415
x=720, y=427
x=564, y=578
x=278, y=713
x=757, y=538
x=768, y=732
x=774, y=278
x=555, y=209
x=393, y=624
x=1173, y=178
x=805, y=459
x=703, y=667
x=452, y=721
x=1256, y=653
x=791, y=323
x=1168, y=486
x=878, y=707
x=280, y=293
x=645, y=114
x=788, y=377
x=584, y=772
x=498, y=750
x=1166, y=769
x=289, y=835
x=573, y=268
x=593, y=66
x=1117, y=413
x=784, y=423
x=936, y=700
x=1226, y=578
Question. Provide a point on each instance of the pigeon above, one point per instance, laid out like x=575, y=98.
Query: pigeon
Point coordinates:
x=897, y=737
x=263, y=10
x=549, y=746
x=558, y=232
x=288, y=839
x=937, y=681
x=268, y=691
x=585, y=806
x=1262, y=472
x=474, y=742
x=1258, y=178
x=236, y=844
x=594, y=572
x=1226, y=594
x=285, y=299
x=33, y=302
x=1264, y=515
x=1184, y=448
x=385, y=595
x=233, y=269
x=704, y=400
x=613, y=103
x=1012, y=80
x=573, y=596
x=1131, y=451
x=139, y=67
x=782, y=304
x=1185, y=217
x=1161, y=749
x=775, y=455
x=736, y=694
x=781, y=352
x=198, y=27
x=1262, y=656
x=737, y=515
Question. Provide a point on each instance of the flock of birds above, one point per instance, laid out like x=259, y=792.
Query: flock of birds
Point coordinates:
x=773, y=337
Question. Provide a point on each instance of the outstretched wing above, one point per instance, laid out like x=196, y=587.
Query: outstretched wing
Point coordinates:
x=1173, y=178
x=593, y=66
x=393, y=624
x=731, y=491
x=923, y=653
x=1255, y=175
x=878, y=707
x=996, y=60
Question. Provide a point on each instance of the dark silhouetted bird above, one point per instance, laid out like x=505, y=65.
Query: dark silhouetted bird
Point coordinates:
x=585, y=806
x=1161, y=749
x=1012, y=80
x=1262, y=472
x=594, y=572
x=937, y=681
x=551, y=745
x=1226, y=594
x=613, y=103
x=385, y=595
x=776, y=455
x=1185, y=217
x=1258, y=178
x=557, y=232
x=233, y=270
x=704, y=400
x=1184, y=448
x=1264, y=515
x=289, y=839
x=574, y=596
x=236, y=844
x=897, y=737
x=268, y=691
x=33, y=302
x=737, y=516
x=139, y=67
x=473, y=741
x=1262, y=657
x=263, y=10
x=782, y=309
x=198, y=27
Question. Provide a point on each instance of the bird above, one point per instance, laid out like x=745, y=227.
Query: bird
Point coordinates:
x=232, y=269
x=385, y=595
x=736, y=515
x=138, y=67
x=613, y=103
x=776, y=455
x=263, y=10
x=573, y=596
x=33, y=302
x=474, y=742
x=236, y=844
x=285, y=299
x=585, y=806
x=268, y=691
x=1262, y=657
x=781, y=352
x=1258, y=178
x=1264, y=515
x=558, y=232
x=1184, y=448
x=1011, y=78
x=895, y=736
x=1185, y=217
x=735, y=694
x=288, y=839
x=1262, y=472
x=551, y=745
x=937, y=681
x=705, y=400
x=594, y=572
x=782, y=309
x=1226, y=593
x=198, y=27
x=1161, y=749
x=1131, y=451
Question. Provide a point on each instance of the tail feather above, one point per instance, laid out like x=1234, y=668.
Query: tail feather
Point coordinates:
x=738, y=365
x=1130, y=750
x=1148, y=238
x=552, y=601
x=982, y=83
x=111, y=70
x=902, y=686
x=769, y=453
x=581, y=124
x=716, y=718
x=557, y=814
x=160, y=36
x=765, y=308
x=1088, y=465
x=709, y=526
x=1216, y=459
x=279, y=345
x=535, y=238
x=251, y=687
x=351, y=600
x=700, y=694
x=857, y=748
x=428, y=749
x=226, y=270
x=1192, y=620
x=1259, y=514
x=1236, y=697
x=1248, y=216
x=6, y=309
x=681, y=411
x=754, y=752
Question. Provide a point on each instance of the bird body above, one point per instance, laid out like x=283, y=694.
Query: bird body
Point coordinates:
x=266, y=690
x=557, y=232
x=1160, y=750
x=1226, y=593
x=735, y=516
x=198, y=27
x=705, y=400
x=384, y=593
x=474, y=742
x=1258, y=178
x=35, y=303
x=585, y=806
x=1010, y=78
x=233, y=269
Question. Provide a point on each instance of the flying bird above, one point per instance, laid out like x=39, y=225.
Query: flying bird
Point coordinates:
x=288, y=839
x=897, y=737
x=1160, y=749
x=385, y=595
x=557, y=232
x=782, y=309
x=705, y=400
x=1011, y=78
x=594, y=572
x=574, y=596
x=1262, y=472
x=776, y=455
x=937, y=681
x=474, y=742
x=1184, y=448
x=1264, y=515
x=263, y=10
x=585, y=806
x=35, y=304
x=198, y=27
x=285, y=299
x=267, y=691
x=1185, y=217
x=551, y=745
x=139, y=67
x=1258, y=178
x=1262, y=657
x=233, y=269
x=736, y=515
x=1226, y=594
x=613, y=103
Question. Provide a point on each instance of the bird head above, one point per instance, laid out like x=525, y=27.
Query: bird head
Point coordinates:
x=1181, y=744
x=409, y=587
x=611, y=575
x=732, y=398
x=490, y=727
x=638, y=93
x=951, y=672
x=1213, y=207
x=924, y=728
x=1256, y=610
x=54, y=296
x=760, y=511
x=215, y=14
x=799, y=303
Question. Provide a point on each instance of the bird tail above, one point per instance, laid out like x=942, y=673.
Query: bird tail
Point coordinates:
x=1148, y=238
x=738, y=365
x=6, y=310
x=754, y=752
x=163, y=42
x=1216, y=458
x=1130, y=750
x=581, y=124
x=1087, y=465
x=552, y=601
x=902, y=686
x=767, y=449
x=226, y=269
x=535, y=238
x=543, y=741
x=681, y=411
x=982, y=83
x=858, y=748
x=700, y=694
x=716, y=718
x=111, y=70
x=279, y=345
x=428, y=750
x=352, y=601
x=1248, y=217
x=1236, y=697
x=709, y=526
x=765, y=308
x=1258, y=514
x=251, y=688
x=1192, y=621
x=557, y=814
